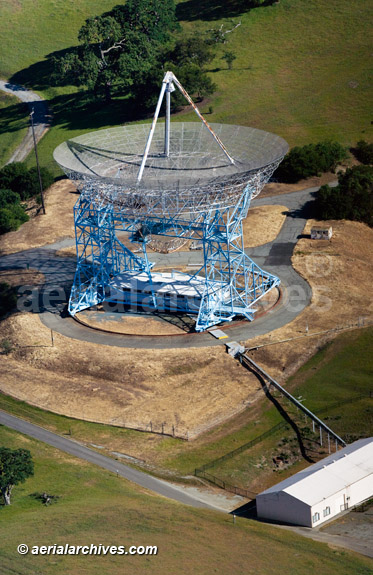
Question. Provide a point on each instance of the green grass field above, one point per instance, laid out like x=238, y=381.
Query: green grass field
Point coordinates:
x=342, y=369
x=96, y=507
x=301, y=70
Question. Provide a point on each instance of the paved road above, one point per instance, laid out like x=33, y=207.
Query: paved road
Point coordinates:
x=156, y=485
x=274, y=257
x=346, y=542
x=76, y=449
x=41, y=118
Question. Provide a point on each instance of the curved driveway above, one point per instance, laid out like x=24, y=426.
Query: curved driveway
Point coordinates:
x=41, y=118
x=274, y=257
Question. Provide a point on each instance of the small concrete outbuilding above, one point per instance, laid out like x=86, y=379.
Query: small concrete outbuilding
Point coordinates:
x=321, y=233
x=323, y=490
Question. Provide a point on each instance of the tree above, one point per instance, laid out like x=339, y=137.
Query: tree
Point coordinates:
x=352, y=199
x=23, y=181
x=10, y=173
x=191, y=50
x=364, y=152
x=310, y=160
x=195, y=80
x=11, y=218
x=229, y=57
x=8, y=197
x=27, y=184
x=119, y=47
x=218, y=35
x=15, y=467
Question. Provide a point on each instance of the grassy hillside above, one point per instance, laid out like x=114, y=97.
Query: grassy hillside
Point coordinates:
x=343, y=368
x=30, y=30
x=301, y=71
x=96, y=507
x=301, y=68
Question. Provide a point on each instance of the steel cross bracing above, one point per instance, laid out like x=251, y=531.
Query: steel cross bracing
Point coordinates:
x=233, y=283
x=183, y=186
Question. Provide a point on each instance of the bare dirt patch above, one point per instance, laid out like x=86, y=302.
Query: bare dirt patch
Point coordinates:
x=69, y=252
x=276, y=188
x=184, y=391
x=57, y=223
x=341, y=276
x=355, y=526
x=131, y=324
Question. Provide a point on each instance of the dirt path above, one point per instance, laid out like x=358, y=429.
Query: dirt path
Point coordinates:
x=41, y=118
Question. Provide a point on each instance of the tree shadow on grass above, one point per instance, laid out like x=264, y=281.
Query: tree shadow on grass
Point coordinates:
x=13, y=118
x=215, y=10
x=38, y=76
x=80, y=110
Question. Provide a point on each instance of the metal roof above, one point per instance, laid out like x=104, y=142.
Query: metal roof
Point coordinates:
x=330, y=475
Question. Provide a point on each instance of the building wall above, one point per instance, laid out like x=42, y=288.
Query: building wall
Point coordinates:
x=283, y=507
x=329, y=507
x=345, y=499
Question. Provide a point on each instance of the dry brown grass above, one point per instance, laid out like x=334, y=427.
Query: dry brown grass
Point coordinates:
x=190, y=388
x=57, y=223
x=341, y=276
x=185, y=388
x=263, y=224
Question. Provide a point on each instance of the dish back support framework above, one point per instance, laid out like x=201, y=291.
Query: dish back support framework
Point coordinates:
x=186, y=184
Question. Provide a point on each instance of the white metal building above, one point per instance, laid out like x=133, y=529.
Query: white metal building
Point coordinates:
x=323, y=490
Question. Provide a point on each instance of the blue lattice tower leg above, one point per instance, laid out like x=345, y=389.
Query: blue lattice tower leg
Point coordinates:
x=100, y=255
x=233, y=281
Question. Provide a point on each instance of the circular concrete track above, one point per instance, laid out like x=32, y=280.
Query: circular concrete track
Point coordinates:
x=274, y=257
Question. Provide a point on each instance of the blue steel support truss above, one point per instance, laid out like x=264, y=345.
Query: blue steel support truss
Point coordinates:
x=233, y=282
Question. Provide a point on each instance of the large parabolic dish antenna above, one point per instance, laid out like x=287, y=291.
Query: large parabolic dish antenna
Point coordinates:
x=197, y=171
x=181, y=180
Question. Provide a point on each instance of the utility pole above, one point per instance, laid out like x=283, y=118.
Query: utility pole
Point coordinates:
x=37, y=160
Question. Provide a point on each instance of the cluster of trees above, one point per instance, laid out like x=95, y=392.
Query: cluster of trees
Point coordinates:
x=352, y=199
x=310, y=160
x=129, y=48
x=15, y=467
x=364, y=152
x=17, y=184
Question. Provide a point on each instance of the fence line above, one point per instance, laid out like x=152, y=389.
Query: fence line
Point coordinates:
x=227, y=486
x=201, y=471
x=243, y=447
